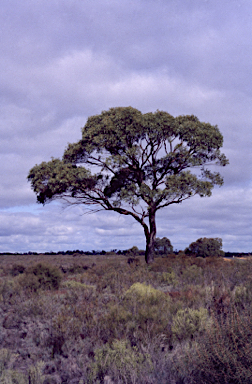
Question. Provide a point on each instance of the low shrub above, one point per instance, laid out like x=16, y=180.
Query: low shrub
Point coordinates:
x=224, y=352
x=86, y=292
x=42, y=276
x=9, y=291
x=123, y=363
x=10, y=376
x=17, y=269
x=192, y=275
x=74, y=269
x=169, y=278
x=143, y=293
x=187, y=322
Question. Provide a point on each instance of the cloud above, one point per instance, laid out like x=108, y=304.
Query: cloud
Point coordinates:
x=64, y=61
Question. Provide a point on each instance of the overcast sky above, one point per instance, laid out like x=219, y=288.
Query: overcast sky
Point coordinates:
x=64, y=60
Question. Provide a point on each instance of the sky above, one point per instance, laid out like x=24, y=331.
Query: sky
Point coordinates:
x=65, y=60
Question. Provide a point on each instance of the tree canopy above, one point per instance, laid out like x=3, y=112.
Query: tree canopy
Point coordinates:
x=134, y=164
x=205, y=247
x=163, y=246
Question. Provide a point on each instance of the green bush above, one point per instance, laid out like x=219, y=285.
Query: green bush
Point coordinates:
x=163, y=246
x=149, y=309
x=205, y=247
x=192, y=275
x=121, y=361
x=189, y=321
x=169, y=278
x=143, y=293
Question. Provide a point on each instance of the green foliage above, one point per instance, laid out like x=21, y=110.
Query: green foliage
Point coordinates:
x=87, y=291
x=169, y=278
x=142, y=312
x=133, y=252
x=188, y=321
x=72, y=284
x=149, y=309
x=192, y=274
x=121, y=361
x=142, y=293
x=163, y=246
x=205, y=247
x=138, y=158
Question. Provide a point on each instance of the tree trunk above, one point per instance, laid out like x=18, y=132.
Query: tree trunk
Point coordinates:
x=151, y=237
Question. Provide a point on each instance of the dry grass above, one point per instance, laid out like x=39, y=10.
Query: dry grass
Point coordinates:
x=103, y=306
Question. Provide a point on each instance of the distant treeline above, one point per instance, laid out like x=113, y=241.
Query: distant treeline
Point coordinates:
x=114, y=251
x=68, y=252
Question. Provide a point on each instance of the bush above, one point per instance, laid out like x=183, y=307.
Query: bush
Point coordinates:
x=85, y=291
x=163, y=246
x=121, y=361
x=192, y=275
x=42, y=276
x=224, y=353
x=169, y=278
x=143, y=293
x=150, y=311
x=10, y=376
x=17, y=269
x=205, y=247
x=189, y=321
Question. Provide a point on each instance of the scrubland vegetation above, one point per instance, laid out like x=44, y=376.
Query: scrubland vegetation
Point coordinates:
x=99, y=319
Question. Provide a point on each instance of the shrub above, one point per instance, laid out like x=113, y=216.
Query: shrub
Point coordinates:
x=29, y=282
x=205, y=247
x=143, y=293
x=188, y=321
x=224, y=353
x=86, y=291
x=17, y=269
x=42, y=276
x=169, y=278
x=132, y=252
x=9, y=291
x=121, y=361
x=74, y=269
x=192, y=274
x=163, y=246
x=150, y=311
x=10, y=376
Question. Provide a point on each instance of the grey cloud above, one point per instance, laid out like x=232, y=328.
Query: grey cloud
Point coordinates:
x=64, y=61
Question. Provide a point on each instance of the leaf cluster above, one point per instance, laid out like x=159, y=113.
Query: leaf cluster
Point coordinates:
x=126, y=156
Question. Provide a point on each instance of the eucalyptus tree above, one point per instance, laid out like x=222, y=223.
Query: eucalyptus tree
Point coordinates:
x=163, y=246
x=134, y=164
x=206, y=247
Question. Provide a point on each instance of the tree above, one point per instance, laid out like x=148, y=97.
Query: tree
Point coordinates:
x=205, y=247
x=136, y=164
x=163, y=246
